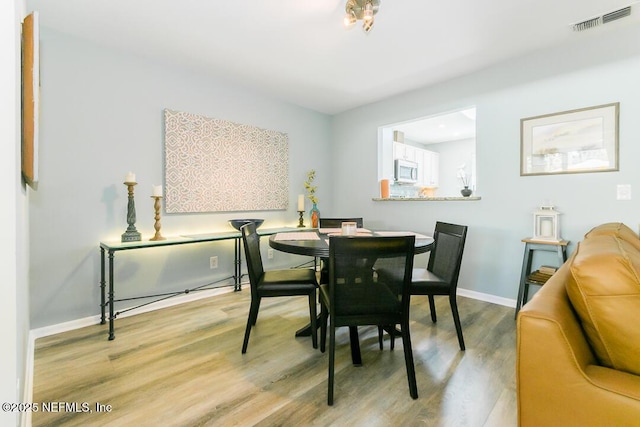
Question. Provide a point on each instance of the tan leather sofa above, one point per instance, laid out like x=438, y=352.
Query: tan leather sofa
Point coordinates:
x=563, y=378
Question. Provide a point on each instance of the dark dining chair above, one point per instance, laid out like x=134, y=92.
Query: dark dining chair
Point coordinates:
x=334, y=223
x=357, y=295
x=275, y=283
x=441, y=275
x=337, y=222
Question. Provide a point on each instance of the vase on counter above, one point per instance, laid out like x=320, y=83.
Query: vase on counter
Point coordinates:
x=314, y=214
x=466, y=191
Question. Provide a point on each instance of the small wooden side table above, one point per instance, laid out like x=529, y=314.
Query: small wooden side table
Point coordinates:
x=529, y=277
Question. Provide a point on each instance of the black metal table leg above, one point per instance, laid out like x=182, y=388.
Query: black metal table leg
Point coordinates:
x=526, y=269
x=102, y=288
x=112, y=335
x=237, y=286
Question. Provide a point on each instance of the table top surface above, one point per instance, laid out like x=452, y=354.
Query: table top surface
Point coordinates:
x=546, y=242
x=117, y=245
x=316, y=242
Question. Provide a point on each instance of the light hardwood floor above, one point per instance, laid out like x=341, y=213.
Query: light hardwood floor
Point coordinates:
x=182, y=366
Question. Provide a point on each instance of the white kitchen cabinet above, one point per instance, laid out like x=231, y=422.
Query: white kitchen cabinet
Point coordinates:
x=435, y=169
x=424, y=168
x=404, y=151
x=430, y=168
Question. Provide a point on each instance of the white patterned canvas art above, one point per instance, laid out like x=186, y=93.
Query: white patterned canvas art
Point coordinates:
x=214, y=165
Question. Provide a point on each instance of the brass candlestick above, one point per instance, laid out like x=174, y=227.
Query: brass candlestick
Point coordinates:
x=156, y=206
x=131, y=235
x=301, y=220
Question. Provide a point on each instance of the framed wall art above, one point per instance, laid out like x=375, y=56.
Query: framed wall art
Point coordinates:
x=214, y=165
x=576, y=141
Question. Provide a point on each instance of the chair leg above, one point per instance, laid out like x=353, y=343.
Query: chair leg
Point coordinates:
x=314, y=316
x=324, y=314
x=392, y=336
x=408, y=359
x=354, y=341
x=432, y=307
x=255, y=319
x=456, y=320
x=251, y=320
x=332, y=356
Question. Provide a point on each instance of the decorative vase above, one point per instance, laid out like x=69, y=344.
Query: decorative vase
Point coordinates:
x=466, y=191
x=314, y=213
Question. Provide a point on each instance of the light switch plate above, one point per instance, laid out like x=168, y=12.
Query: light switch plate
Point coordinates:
x=624, y=192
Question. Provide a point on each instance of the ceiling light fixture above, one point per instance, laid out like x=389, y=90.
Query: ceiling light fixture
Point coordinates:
x=361, y=10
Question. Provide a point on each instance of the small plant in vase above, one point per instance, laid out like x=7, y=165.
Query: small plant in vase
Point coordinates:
x=462, y=174
x=314, y=213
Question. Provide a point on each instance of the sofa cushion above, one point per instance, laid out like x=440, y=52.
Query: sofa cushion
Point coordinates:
x=616, y=229
x=604, y=289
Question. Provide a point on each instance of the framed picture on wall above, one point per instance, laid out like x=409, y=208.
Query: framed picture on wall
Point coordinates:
x=576, y=141
x=30, y=98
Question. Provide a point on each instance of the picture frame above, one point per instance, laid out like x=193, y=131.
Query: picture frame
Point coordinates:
x=30, y=98
x=575, y=141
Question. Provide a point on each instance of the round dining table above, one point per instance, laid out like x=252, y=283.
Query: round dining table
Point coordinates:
x=315, y=243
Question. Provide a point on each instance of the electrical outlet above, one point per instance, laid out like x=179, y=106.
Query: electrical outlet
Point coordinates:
x=213, y=262
x=270, y=253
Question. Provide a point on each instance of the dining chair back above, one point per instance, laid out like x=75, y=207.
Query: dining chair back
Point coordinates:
x=274, y=283
x=369, y=284
x=337, y=222
x=443, y=269
x=334, y=223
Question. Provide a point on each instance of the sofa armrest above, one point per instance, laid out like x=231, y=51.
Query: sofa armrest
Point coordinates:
x=558, y=380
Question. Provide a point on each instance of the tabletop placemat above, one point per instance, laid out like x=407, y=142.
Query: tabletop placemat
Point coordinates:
x=297, y=235
x=339, y=230
x=359, y=233
x=402, y=233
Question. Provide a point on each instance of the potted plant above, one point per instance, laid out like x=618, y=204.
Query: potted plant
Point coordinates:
x=462, y=174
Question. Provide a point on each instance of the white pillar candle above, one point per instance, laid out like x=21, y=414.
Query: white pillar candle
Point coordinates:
x=131, y=177
x=546, y=227
x=300, y=202
x=157, y=191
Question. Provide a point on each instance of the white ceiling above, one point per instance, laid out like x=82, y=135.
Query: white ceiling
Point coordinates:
x=453, y=126
x=298, y=50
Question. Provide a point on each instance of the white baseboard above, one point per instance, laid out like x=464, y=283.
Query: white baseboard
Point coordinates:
x=487, y=297
x=93, y=320
x=27, y=392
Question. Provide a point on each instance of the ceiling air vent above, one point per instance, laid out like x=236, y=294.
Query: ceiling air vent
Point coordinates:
x=604, y=19
x=617, y=14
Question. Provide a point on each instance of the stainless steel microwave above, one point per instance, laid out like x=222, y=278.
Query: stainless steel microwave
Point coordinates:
x=406, y=172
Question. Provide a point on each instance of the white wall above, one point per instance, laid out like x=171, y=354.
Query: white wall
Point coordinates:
x=102, y=116
x=453, y=154
x=14, y=317
x=598, y=71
